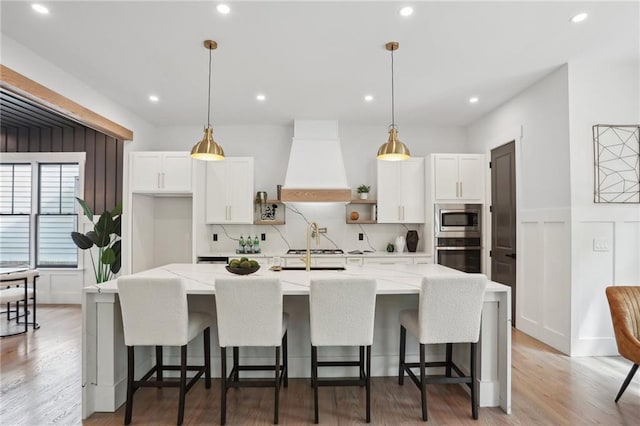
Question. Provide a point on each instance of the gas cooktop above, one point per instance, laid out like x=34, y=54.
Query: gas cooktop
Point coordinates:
x=315, y=251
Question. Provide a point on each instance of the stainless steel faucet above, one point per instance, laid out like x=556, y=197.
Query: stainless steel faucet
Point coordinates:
x=313, y=231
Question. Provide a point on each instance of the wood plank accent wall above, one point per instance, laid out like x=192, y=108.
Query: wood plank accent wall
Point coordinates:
x=103, y=167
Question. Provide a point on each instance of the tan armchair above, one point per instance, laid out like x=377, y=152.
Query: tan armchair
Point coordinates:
x=624, y=302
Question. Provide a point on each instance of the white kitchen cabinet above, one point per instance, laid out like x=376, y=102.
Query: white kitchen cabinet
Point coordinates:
x=401, y=191
x=229, y=191
x=458, y=177
x=160, y=172
x=326, y=261
x=388, y=260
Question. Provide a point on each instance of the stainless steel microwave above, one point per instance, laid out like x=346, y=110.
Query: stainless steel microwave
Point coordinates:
x=458, y=220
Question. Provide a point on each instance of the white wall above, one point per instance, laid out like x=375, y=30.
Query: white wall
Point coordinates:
x=561, y=278
x=538, y=120
x=600, y=92
x=270, y=146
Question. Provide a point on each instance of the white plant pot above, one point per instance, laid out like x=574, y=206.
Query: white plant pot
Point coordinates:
x=364, y=195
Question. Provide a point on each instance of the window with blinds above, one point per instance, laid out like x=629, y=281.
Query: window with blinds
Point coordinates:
x=49, y=224
x=15, y=214
x=57, y=215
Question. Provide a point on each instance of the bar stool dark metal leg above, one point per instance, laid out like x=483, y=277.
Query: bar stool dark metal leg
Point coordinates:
x=314, y=381
x=403, y=343
x=207, y=357
x=423, y=384
x=474, y=381
x=276, y=402
x=130, y=372
x=285, y=361
x=183, y=383
x=368, y=383
x=159, y=365
x=223, y=385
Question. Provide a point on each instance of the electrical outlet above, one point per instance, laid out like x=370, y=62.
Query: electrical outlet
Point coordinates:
x=263, y=237
x=360, y=236
x=215, y=237
x=600, y=244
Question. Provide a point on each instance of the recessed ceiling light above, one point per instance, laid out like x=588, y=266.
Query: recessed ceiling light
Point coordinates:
x=473, y=100
x=223, y=8
x=406, y=11
x=261, y=97
x=368, y=98
x=40, y=8
x=579, y=17
x=154, y=98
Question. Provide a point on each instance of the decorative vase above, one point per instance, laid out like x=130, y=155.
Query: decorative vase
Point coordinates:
x=412, y=241
x=390, y=248
x=400, y=243
x=364, y=195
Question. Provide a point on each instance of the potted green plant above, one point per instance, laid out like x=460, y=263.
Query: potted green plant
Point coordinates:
x=363, y=190
x=105, y=236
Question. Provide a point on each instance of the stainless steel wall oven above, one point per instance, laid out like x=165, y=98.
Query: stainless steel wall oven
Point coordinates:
x=458, y=236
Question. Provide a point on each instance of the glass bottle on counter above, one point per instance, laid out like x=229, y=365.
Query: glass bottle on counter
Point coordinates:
x=256, y=244
x=249, y=243
x=241, y=245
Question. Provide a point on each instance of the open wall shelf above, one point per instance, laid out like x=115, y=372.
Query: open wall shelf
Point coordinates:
x=366, y=209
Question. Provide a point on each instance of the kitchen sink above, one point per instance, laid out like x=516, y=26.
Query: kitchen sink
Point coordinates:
x=314, y=268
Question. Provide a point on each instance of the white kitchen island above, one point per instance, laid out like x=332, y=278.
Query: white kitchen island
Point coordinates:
x=104, y=353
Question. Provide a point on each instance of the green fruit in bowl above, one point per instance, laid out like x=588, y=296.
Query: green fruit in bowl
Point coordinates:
x=254, y=263
x=235, y=263
x=243, y=259
x=245, y=264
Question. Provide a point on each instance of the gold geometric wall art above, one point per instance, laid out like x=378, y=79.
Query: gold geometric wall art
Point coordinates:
x=616, y=163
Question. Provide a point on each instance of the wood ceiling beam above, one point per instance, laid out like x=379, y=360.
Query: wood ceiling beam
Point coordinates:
x=23, y=86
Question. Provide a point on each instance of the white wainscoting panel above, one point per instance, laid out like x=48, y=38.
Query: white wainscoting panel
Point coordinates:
x=606, y=252
x=60, y=286
x=557, y=273
x=627, y=254
x=544, y=277
x=529, y=296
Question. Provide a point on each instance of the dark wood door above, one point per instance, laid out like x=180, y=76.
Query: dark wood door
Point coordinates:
x=503, y=219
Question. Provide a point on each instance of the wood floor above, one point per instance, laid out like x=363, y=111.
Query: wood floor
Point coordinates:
x=40, y=384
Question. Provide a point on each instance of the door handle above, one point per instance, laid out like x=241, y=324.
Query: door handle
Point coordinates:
x=512, y=255
x=158, y=182
x=460, y=189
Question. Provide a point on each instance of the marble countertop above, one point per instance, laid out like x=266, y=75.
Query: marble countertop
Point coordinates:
x=346, y=254
x=392, y=279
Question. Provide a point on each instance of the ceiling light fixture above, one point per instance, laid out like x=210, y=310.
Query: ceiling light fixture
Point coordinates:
x=579, y=17
x=393, y=149
x=368, y=98
x=261, y=97
x=406, y=11
x=153, y=98
x=223, y=8
x=40, y=8
x=473, y=99
x=207, y=149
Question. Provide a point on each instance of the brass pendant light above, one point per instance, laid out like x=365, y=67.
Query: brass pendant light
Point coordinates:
x=393, y=149
x=207, y=149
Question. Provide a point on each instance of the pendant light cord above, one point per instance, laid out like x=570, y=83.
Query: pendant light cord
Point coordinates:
x=393, y=115
x=209, y=99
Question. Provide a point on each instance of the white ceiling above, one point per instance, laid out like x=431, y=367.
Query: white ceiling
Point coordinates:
x=317, y=60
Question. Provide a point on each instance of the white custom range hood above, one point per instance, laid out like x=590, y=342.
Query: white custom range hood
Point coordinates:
x=316, y=169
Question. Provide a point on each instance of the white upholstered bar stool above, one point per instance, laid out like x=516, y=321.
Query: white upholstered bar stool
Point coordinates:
x=19, y=288
x=155, y=312
x=250, y=314
x=342, y=314
x=449, y=311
